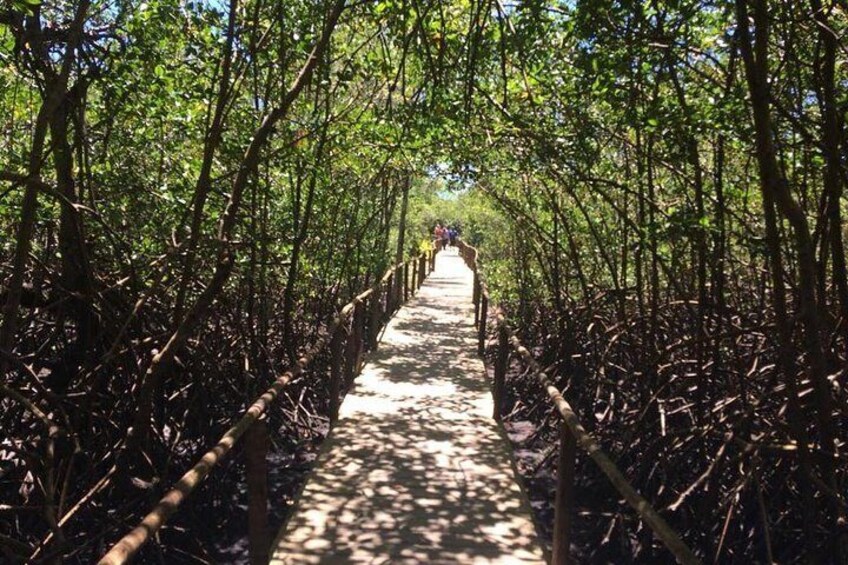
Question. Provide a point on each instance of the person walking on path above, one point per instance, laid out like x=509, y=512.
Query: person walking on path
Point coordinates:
x=438, y=232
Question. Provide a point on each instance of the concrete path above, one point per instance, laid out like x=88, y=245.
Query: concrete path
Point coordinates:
x=416, y=470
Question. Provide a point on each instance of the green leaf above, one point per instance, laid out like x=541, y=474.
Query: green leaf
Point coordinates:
x=26, y=5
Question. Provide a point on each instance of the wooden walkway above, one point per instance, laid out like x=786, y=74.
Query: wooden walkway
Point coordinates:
x=416, y=470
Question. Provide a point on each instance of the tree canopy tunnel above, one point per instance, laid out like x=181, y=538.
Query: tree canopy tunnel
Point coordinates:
x=191, y=189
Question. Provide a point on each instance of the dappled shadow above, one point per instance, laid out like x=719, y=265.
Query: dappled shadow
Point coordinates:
x=416, y=470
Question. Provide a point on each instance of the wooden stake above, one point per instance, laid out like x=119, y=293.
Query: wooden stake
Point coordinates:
x=563, y=512
x=484, y=311
x=501, y=363
x=374, y=322
x=335, y=374
x=256, y=470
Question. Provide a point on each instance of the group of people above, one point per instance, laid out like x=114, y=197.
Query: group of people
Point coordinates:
x=445, y=236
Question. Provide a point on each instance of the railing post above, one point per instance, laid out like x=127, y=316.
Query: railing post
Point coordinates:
x=563, y=512
x=414, y=275
x=401, y=277
x=360, y=338
x=353, y=353
x=374, y=320
x=484, y=309
x=501, y=364
x=335, y=373
x=432, y=260
x=390, y=290
x=406, y=281
x=476, y=297
x=256, y=470
x=422, y=269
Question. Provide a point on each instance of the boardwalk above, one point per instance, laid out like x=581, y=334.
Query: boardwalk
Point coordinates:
x=416, y=470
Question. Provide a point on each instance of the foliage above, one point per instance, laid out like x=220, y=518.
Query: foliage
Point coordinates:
x=172, y=186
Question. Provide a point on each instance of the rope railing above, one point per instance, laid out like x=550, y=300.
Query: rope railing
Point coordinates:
x=572, y=433
x=379, y=302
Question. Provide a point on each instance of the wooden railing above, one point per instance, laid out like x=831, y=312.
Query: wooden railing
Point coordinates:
x=571, y=436
x=347, y=337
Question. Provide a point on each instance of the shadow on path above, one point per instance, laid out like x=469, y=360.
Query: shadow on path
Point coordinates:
x=416, y=471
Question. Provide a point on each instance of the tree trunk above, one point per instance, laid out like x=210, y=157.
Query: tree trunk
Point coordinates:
x=774, y=188
x=162, y=360
x=204, y=179
x=54, y=95
x=401, y=240
x=831, y=134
